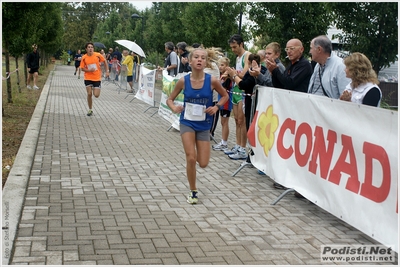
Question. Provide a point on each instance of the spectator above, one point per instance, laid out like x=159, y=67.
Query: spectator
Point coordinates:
x=171, y=62
x=329, y=78
x=195, y=115
x=32, y=61
x=90, y=65
x=77, y=58
x=297, y=74
x=184, y=65
x=237, y=46
x=225, y=111
x=115, y=67
x=109, y=57
x=272, y=53
x=117, y=53
x=196, y=45
x=103, y=69
x=246, y=84
x=261, y=53
x=363, y=88
x=128, y=63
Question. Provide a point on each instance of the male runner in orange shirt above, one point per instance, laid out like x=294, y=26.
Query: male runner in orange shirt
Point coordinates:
x=90, y=65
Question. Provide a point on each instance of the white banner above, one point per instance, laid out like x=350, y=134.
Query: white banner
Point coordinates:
x=147, y=81
x=339, y=155
x=168, y=86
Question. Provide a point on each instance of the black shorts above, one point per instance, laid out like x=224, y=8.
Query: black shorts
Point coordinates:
x=33, y=70
x=225, y=113
x=129, y=78
x=94, y=84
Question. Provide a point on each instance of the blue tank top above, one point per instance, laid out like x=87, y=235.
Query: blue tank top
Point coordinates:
x=203, y=96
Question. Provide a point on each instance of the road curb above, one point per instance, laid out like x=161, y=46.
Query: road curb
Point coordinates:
x=14, y=190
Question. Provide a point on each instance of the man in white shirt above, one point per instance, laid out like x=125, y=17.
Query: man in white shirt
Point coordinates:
x=329, y=78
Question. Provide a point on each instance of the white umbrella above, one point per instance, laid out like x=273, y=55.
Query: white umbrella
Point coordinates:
x=132, y=46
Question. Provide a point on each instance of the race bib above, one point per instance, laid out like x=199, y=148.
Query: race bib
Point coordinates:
x=195, y=112
x=92, y=67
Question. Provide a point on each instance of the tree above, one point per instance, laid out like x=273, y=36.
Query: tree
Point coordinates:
x=370, y=28
x=280, y=22
x=164, y=21
x=19, y=33
x=218, y=21
x=92, y=21
x=208, y=23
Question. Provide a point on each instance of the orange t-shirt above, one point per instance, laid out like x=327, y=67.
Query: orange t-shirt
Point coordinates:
x=92, y=62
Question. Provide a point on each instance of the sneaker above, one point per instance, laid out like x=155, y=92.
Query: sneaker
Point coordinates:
x=240, y=154
x=130, y=91
x=219, y=146
x=29, y=87
x=74, y=73
x=192, y=198
x=79, y=77
x=35, y=87
x=90, y=112
x=231, y=151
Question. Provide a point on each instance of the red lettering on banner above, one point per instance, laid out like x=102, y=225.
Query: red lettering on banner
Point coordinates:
x=251, y=133
x=316, y=148
x=342, y=166
x=285, y=153
x=303, y=129
x=377, y=194
x=320, y=151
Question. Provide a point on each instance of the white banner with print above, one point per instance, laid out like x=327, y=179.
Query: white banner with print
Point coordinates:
x=168, y=86
x=146, y=84
x=339, y=155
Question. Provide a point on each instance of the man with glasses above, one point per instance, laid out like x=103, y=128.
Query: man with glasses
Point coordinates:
x=297, y=74
x=329, y=78
x=90, y=65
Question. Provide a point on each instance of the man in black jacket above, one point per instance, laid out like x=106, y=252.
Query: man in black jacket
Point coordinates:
x=184, y=56
x=297, y=74
x=32, y=61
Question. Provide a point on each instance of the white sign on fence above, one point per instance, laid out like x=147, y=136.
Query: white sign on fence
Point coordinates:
x=339, y=155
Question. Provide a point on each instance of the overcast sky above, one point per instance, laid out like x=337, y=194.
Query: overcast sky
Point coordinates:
x=141, y=5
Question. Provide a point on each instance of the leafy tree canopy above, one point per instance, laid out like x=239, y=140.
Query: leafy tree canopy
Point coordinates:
x=370, y=28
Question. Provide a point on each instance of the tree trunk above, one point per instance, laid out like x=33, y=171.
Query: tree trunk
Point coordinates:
x=17, y=70
x=25, y=70
x=9, y=91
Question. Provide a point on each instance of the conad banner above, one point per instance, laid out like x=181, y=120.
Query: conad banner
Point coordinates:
x=168, y=86
x=339, y=155
x=147, y=80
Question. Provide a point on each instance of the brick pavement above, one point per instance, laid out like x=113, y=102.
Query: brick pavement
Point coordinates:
x=111, y=189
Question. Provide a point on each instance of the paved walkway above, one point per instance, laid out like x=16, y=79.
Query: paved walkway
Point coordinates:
x=111, y=189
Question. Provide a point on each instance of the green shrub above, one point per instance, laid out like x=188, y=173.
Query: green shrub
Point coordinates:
x=64, y=57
